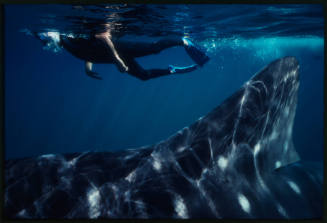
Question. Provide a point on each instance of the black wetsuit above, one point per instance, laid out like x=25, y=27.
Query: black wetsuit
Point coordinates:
x=97, y=51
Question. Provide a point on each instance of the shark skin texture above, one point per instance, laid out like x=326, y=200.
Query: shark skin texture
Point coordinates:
x=238, y=161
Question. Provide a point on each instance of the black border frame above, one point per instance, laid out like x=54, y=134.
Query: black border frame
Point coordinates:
x=2, y=103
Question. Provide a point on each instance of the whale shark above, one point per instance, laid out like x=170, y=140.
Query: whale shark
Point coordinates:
x=238, y=161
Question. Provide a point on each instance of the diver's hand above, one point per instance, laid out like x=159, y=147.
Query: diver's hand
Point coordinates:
x=94, y=75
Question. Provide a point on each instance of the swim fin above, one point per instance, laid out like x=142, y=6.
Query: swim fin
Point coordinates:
x=195, y=52
x=180, y=70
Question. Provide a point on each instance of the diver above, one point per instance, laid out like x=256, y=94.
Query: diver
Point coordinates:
x=104, y=48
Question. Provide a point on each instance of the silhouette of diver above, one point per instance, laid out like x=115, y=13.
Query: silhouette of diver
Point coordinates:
x=103, y=48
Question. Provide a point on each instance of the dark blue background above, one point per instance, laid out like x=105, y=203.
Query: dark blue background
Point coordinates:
x=51, y=106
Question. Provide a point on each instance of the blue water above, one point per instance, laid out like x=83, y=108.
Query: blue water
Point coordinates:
x=51, y=106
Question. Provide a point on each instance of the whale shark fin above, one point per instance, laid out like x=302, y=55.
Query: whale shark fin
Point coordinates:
x=260, y=115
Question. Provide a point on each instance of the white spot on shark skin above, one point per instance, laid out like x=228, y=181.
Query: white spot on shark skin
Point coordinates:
x=296, y=86
x=22, y=213
x=286, y=145
x=210, y=146
x=139, y=203
x=257, y=148
x=73, y=161
x=233, y=147
x=273, y=135
x=281, y=210
x=286, y=77
x=222, y=162
x=243, y=99
x=180, y=207
x=66, y=180
x=114, y=188
x=243, y=201
x=289, y=130
x=156, y=163
x=294, y=187
x=68, y=164
x=289, y=75
x=48, y=156
x=141, y=208
x=197, y=183
x=293, y=72
x=131, y=176
x=127, y=195
x=278, y=164
x=93, y=198
x=204, y=171
x=130, y=156
x=180, y=132
x=181, y=149
x=115, y=191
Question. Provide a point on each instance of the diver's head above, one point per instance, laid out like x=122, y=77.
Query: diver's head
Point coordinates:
x=50, y=40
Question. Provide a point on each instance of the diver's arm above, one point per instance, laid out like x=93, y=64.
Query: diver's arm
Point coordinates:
x=89, y=72
x=106, y=38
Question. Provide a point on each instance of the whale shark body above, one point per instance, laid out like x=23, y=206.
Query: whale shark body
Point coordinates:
x=236, y=162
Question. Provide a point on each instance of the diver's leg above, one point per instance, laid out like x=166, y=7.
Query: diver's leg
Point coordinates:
x=137, y=71
x=196, y=52
x=141, y=49
x=89, y=72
